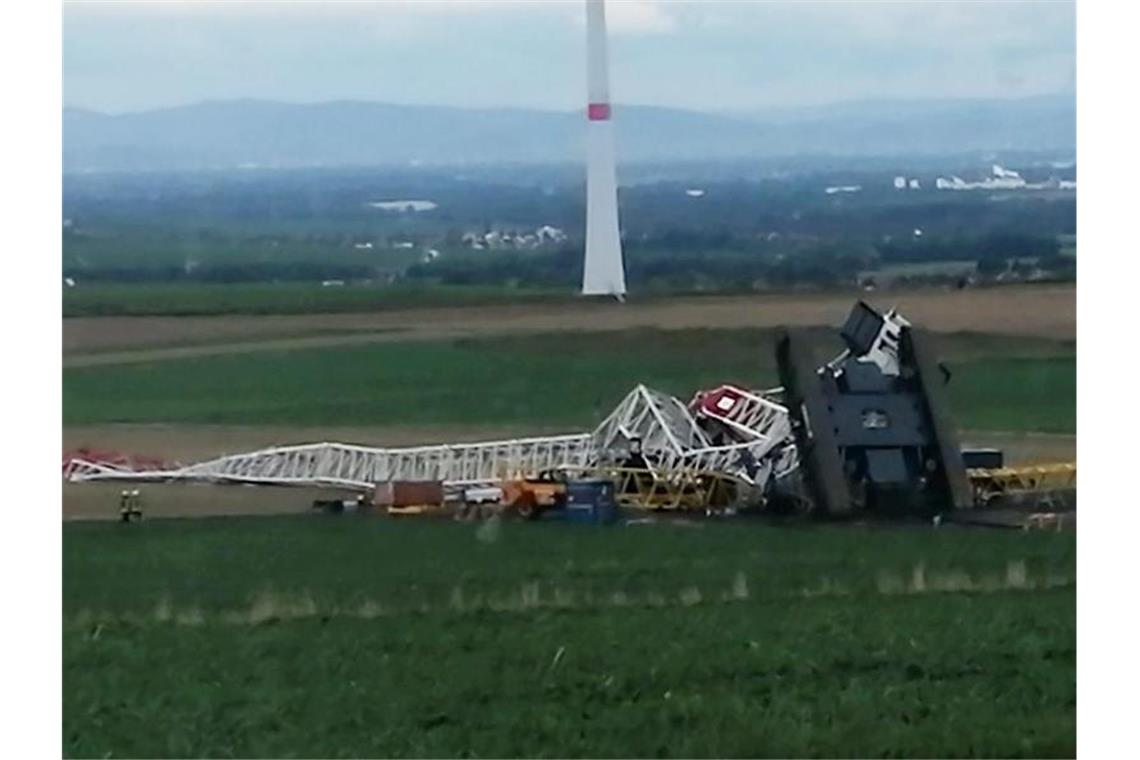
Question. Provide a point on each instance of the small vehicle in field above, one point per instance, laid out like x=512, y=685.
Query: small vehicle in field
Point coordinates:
x=530, y=497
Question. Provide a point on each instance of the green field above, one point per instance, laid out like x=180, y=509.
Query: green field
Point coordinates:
x=360, y=636
x=567, y=379
x=173, y=299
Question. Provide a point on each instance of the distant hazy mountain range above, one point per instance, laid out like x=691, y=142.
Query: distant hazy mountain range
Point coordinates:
x=258, y=133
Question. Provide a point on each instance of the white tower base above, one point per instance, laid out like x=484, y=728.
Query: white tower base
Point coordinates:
x=604, y=273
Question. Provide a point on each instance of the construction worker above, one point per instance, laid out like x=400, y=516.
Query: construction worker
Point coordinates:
x=130, y=506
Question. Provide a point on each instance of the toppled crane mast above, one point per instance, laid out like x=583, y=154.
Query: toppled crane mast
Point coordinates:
x=870, y=427
x=865, y=431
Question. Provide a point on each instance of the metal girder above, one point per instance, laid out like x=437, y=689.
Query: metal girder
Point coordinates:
x=683, y=490
x=991, y=484
x=671, y=440
x=362, y=467
x=745, y=415
x=660, y=422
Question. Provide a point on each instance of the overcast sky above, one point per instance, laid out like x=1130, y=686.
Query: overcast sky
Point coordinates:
x=706, y=55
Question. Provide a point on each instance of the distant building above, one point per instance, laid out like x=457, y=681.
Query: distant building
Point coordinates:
x=499, y=239
x=403, y=206
x=1003, y=179
x=548, y=234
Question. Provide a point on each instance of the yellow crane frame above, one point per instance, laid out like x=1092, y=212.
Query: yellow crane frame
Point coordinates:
x=991, y=484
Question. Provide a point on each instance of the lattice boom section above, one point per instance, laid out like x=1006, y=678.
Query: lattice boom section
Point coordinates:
x=363, y=467
x=746, y=415
x=661, y=424
x=669, y=438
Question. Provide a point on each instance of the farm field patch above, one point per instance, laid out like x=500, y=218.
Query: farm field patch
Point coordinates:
x=291, y=636
x=567, y=380
x=1040, y=310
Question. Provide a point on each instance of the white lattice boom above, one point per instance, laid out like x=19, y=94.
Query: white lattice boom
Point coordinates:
x=669, y=438
x=672, y=440
x=745, y=414
x=659, y=422
x=337, y=464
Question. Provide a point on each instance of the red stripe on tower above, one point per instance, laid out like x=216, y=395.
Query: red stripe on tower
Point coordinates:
x=598, y=111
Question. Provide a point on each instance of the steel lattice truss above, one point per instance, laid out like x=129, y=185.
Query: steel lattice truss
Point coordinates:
x=742, y=414
x=659, y=422
x=672, y=439
x=732, y=432
x=336, y=464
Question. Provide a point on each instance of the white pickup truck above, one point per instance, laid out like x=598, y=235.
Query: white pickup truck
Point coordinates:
x=483, y=495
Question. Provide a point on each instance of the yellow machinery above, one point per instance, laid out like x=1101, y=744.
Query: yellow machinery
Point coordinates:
x=1047, y=481
x=634, y=488
x=1046, y=486
x=674, y=490
x=691, y=491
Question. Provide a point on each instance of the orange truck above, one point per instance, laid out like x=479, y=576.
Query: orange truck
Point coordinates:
x=530, y=497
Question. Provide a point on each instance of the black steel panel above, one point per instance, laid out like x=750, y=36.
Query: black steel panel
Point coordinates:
x=812, y=424
x=861, y=328
x=916, y=348
x=988, y=459
x=857, y=422
x=865, y=377
x=887, y=466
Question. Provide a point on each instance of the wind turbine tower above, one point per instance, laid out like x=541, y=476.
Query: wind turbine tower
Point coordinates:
x=604, y=272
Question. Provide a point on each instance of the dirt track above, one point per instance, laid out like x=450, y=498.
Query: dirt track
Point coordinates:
x=1044, y=310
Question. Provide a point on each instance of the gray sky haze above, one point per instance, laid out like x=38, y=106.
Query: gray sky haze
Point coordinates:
x=709, y=55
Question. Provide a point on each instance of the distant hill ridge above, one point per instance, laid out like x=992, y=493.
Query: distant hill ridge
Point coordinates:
x=262, y=133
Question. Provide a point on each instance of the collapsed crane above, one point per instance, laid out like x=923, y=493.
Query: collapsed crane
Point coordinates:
x=652, y=425
x=867, y=431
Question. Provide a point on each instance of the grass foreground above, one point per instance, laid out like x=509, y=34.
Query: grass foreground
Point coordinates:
x=313, y=636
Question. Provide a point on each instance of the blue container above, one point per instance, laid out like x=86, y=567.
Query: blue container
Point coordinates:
x=591, y=501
